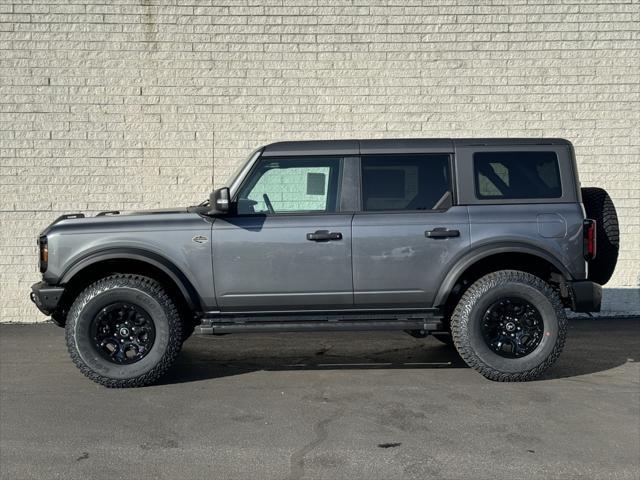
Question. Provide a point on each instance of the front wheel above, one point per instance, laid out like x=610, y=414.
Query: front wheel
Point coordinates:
x=509, y=326
x=124, y=331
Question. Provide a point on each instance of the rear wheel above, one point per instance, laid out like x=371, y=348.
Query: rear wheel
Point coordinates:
x=509, y=326
x=124, y=331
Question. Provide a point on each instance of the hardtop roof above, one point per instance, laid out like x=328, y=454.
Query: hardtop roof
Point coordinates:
x=399, y=145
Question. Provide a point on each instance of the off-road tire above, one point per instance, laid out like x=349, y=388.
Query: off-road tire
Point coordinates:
x=467, y=317
x=136, y=289
x=188, y=327
x=599, y=207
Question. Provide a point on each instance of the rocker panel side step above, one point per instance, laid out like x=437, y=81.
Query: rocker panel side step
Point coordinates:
x=213, y=326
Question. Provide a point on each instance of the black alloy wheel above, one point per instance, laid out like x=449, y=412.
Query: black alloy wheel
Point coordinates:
x=512, y=327
x=123, y=333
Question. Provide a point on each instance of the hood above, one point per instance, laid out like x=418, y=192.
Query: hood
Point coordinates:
x=77, y=221
x=154, y=211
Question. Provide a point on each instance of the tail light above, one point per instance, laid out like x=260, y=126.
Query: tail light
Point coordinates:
x=589, y=239
x=44, y=253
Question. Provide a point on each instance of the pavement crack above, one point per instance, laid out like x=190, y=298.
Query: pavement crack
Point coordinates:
x=84, y=456
x=298, y=457
x=389, y=445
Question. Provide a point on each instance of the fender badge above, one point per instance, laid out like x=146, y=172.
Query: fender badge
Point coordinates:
x=200, y=239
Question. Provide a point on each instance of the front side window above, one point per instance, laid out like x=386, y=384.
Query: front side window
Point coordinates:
x=291, y=185
x=405, y=182
x=514, y=175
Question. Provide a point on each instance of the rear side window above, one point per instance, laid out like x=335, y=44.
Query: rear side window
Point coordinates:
x=405, y=182
x=514, y=175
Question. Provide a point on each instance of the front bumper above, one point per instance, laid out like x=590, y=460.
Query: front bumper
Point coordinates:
x=586, y=296
x=46, y=297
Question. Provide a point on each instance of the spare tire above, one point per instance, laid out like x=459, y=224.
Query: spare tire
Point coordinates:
x=599, y=207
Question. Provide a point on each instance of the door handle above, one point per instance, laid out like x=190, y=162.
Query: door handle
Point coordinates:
x=441, y=233
x=324, y=236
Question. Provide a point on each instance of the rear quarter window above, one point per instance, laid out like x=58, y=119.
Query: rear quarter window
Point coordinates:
x=516, y=175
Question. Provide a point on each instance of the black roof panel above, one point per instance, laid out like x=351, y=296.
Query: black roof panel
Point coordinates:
x=507, y=142
x=400, y=145
x=406, y=145
x=312, y=147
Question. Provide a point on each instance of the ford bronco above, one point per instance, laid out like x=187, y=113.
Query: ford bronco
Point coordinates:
x=482, y=243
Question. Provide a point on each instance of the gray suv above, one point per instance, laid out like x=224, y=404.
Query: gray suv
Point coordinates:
x=483, y=243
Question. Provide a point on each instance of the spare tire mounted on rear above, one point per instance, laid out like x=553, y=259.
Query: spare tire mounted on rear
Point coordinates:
x=599, y=207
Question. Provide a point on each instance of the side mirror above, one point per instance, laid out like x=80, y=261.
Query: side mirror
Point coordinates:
x=219, y=201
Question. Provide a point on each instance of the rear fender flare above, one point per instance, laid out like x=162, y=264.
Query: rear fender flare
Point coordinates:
x=479, y=253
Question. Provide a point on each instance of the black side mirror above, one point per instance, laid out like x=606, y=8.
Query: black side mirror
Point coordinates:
x=219, y=201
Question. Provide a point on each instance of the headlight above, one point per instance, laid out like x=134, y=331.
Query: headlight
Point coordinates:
x=44, y=253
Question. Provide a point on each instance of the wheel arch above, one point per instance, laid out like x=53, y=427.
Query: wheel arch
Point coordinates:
x=483, y=260
x=127, y=260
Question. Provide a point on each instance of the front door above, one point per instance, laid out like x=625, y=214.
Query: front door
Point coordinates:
x=408, y=231
x=286, y=245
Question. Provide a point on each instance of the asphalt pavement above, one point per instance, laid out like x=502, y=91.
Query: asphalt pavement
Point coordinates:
x=323, y=406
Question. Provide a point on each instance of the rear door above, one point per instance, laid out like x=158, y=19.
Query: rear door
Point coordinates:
x=288, y=245
x=408, y=230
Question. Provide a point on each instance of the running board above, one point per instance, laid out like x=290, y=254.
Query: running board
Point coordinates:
x=217, y=326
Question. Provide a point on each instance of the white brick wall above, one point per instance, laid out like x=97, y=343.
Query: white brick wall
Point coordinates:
x=114, y=105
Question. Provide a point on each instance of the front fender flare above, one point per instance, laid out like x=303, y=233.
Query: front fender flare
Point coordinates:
x=158, y=261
